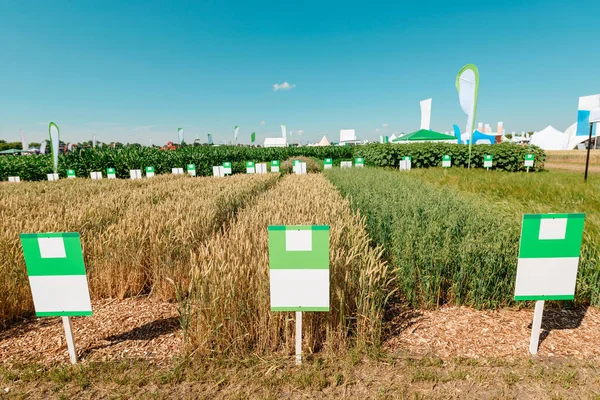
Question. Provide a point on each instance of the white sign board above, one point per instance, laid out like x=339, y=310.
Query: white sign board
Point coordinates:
x=14, y=179
x=135, y=174
x=52, y=177
x=218, y=170
x=261, y=168
x=177, y=171
x=96, y=175
x=346, y=164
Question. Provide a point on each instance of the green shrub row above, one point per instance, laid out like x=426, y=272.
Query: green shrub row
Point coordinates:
x=424, y=155
x=506, y=156
x=448, y=247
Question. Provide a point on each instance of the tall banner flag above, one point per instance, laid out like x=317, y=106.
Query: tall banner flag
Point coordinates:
x=235, y=135
x=426, y=114
x=180, y=134
x=54, y=134
x=210, y=141
x=43, y=147
x=283, y=131
x=500, y=128
x=586, y=104
x=467, y=84
x=23, y=141
x=94, y=140
x=253, y=137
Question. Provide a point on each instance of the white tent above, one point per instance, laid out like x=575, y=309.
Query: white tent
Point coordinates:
x=275, y=142
x=391, y=139
x=323, y=142
x=550, y=139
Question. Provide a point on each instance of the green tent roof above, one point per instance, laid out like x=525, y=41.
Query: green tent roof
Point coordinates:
x=11, y=151
x=424, y=134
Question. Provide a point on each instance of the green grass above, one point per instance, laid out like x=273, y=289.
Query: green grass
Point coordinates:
x=453, y=234
x=514, y=194
x=447, y=247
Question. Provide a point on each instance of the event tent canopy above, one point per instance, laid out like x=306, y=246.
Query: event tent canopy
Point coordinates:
x=323, y=142
x=425, y=135
x=550, y=139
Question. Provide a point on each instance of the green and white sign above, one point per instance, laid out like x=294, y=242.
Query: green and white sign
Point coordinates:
x=299, y=267
x=405, y=163
x=56, y=273
x=549, y=256
x=275, y=166
x=250, y=167
x=446, y=161
x=135, y=174
x=529, y=158
x=191, y=169
x=359, y=162
x=487, y=161
x=328, y=163
x=96, y=175
x=70, y=173
x=149, y=172
x=227, y=168
x=111, y=173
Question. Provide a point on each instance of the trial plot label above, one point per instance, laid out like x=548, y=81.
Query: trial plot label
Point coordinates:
x=549, y=256
x=135, y=174
x=250, y=167
x=487, y=161
x=14, y=179
x=177, y=171
x=96, y=175
x=359, y=162
x=328, y=163
x=191, y=169
x=70, y=173
x=227, y=168
x=110, y=173
x=56, y=273
x=149, y=172
x=275, y=166
x=529, y=158
x=52, y=177
x=346, y=164
x=299, y=267
x=446, y=161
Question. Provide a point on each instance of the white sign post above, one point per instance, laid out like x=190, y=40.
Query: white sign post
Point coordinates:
x=345, y=164
x=177, y=171
x=218, y=171
x=250, y=167
x=328, y=163
x=261, y=168
x=488, y=160
x=96, y=175
x=275, y=166
x=110, y=173
x=14, y=179
x=52, y=177
x=529, y=158
x=57, y=278
x=548, y=260
x=446, y=161
x=299, y=272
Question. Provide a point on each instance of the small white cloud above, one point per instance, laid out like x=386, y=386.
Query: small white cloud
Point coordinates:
x=377, y=130
x=142, y=128
x=283, y=86
x=263, y=122
x=385, y=125
x=300, y=132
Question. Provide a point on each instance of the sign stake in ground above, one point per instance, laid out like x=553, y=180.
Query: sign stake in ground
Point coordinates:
x=548, y=260
x=57, y=278
x=328, y=163
x=299, y=271
x=529, y=158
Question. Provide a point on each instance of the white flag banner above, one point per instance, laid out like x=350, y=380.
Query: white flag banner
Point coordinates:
x=235, y=134
x=283, y=131
x=54, y=139
x=426, y=114
x=43, y=147
x=180, y=134
x=94, y=141
x=23, y=141
x=70, y=147
x=467, y=84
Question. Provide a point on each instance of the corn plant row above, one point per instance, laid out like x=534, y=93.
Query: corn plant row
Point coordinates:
x=228, y=309
x=137, y=236
x=447, y=247
x=507, y=157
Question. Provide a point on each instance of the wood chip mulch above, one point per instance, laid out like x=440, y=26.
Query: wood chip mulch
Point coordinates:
x=131, y=328
x=464, y=332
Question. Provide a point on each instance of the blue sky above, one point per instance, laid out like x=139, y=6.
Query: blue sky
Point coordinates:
x=133, y=71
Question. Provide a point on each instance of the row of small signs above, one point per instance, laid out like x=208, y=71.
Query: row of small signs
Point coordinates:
x=488, y=160
x=299, y=256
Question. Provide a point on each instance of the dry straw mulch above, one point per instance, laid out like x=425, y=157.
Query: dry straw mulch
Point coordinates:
x=465, y=332
x=131, y=328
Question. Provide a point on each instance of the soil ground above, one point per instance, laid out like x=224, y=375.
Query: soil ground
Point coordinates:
x=453, y=352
